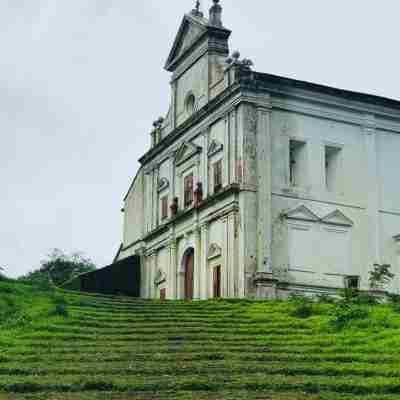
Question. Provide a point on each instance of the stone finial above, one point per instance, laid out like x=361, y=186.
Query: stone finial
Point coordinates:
x=216, y=14
x=234, y=59
x=236, y=55
x=157, y=124
x=196, y=11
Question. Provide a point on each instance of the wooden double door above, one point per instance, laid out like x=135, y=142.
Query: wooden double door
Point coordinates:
x=217, y=281
x=189, y=276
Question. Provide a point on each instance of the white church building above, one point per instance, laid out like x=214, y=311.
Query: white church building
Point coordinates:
x=258, y=185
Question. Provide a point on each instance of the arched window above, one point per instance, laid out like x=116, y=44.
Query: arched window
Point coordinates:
x=190, y=103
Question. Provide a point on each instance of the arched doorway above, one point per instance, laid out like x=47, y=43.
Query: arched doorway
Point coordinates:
x=188, y=267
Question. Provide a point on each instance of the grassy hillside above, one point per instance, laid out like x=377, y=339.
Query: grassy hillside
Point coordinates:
x=99, y=347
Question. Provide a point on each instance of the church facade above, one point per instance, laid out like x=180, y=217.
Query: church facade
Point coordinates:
x=258, y=185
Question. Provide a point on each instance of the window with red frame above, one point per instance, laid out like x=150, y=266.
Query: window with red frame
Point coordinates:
x=164, y=207
x=217, y=176
x=188, y=190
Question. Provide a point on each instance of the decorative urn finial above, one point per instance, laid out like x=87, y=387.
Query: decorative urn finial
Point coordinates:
x=216, y=14
x=196, y=11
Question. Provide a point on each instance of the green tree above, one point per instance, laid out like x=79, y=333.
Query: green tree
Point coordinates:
x=59, y=268
x=380, y=276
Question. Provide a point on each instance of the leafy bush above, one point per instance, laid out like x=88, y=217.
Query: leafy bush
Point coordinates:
x=344, y=313
x=354, y=296
x=325, y=299
x=61, y=307
x=366, y=299
x=303, y=306
x=393, y=298
x=61, y=310
x=7, y=307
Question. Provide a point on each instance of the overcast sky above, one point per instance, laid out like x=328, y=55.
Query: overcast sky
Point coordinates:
x=82, y=80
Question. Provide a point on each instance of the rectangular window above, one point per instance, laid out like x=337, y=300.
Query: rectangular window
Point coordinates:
x=188, y=190
x=352, y=282
x=297, y=163
x=164, y=208
x=333, y=169
x=217, y=176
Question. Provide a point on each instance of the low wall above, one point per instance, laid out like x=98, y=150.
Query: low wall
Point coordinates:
x=123, y=277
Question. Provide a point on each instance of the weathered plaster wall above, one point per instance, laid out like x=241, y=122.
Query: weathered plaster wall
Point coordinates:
x=369, y=166
x=134, y=212
x=194, y=80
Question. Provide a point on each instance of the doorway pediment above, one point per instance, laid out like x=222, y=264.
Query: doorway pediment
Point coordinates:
x=337, y=218
x=214, y=251
x=302, y=213
x=185, y=152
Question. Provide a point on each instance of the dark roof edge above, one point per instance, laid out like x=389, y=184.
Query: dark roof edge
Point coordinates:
x=328, y=90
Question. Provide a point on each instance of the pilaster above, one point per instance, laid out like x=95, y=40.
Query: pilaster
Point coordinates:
x=232, y=278
x=173, y=104
x=206, y=141
x=152, y=265
x=372, y=190
x=233, y=146
x=264, y=178
x=225, y=278
x=227, y=151
x=197, y=264
x=143, y=277
x=173, y=272
x=204, y=281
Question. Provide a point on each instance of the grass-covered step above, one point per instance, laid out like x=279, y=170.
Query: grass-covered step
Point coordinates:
x=213, y=382
x=169, y=355
x=173, y=395
x=241, y=329
x=63, y=345
x=212, y=366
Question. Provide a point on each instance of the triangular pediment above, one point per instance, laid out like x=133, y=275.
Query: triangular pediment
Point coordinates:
x=302, y=213
x=163, y=184
x=191, y=29
x=214, y=251
x=337, y=218
x=185, y=152
x=214, y=147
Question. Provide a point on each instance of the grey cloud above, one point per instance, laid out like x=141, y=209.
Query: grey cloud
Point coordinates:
x=82, y=80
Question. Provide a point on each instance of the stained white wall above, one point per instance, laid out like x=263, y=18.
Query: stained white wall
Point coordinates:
x=194, y=80
x=134, y=211
x=370, y=166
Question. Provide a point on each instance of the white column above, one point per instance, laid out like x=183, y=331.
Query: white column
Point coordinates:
x=225, y=260
x=264, y=206
x=227, y=150
x=150, y=275
x=143, y=277
x=205, y=167
x=232, y=257
x=155, y=197
x=197, y=264
x=373, y=191
x=171, y=181
x=204, y=293
x=233, y=146
x=173, y=103
x=173, y=272
x=204, y=160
